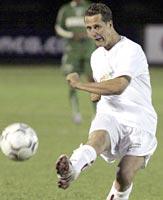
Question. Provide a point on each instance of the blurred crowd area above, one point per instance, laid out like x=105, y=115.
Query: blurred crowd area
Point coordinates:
x=27, y=27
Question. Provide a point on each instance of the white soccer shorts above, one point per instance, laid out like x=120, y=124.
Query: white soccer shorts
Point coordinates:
x=125, y=140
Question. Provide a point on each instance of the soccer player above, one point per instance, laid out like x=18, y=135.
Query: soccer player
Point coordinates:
x=70, y=26
x=125, y=123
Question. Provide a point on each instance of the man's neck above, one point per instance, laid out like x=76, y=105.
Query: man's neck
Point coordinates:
x=115, y=39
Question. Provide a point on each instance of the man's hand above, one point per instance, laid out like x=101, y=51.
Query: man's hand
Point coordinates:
x=73, y=79
x=95, y=97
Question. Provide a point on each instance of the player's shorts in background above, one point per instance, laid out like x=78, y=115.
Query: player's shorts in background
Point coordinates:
x=125, y=140
x=72, y=62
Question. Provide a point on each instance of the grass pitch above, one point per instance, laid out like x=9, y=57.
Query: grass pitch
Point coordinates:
x=38, y=97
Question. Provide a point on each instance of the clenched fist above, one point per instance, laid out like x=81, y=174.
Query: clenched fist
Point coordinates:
x=95, y=97
x=73, y=79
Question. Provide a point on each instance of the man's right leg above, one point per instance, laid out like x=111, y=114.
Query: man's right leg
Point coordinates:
x=69, y=65
x=75, y=106
x=68, y=169
x=127, y=169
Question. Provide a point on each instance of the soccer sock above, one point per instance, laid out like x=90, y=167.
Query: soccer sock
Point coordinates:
x=83, y=157
x=116, y=195
x=74, y=101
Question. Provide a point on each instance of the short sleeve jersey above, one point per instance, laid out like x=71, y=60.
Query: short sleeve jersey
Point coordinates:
x=71, y=16
x=71, y=19
x=134, y=106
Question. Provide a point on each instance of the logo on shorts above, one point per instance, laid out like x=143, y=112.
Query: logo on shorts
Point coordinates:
x=134, y=146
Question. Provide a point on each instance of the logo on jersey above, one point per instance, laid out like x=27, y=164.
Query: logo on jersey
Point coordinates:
x=75, y=22
x=107, y=76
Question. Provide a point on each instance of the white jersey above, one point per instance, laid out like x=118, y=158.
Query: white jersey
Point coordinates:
x=134, y=106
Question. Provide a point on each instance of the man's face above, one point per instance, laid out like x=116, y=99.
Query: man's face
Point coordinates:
x=98, y=30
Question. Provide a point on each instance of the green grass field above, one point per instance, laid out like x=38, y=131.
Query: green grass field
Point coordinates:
x=38, y=97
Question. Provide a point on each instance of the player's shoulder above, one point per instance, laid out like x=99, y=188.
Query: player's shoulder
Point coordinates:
x=130, y=44
x=65, y=6
x=87, y=3
x=129, y=47
x=98, y=52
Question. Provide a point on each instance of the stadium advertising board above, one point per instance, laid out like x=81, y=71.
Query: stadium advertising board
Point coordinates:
x=154, y=43
x=22, y=45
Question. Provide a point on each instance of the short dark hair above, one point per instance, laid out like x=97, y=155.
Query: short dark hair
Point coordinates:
x=99, y=8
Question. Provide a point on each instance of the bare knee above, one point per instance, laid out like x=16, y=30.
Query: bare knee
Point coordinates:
x=99, y=140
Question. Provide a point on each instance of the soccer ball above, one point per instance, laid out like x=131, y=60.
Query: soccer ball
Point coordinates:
x=19, y=141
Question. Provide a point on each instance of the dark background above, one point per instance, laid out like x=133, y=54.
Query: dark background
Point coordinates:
x=41, y=14
x=37, y=17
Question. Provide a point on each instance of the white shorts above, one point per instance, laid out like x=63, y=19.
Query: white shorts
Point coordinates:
x=125, y=140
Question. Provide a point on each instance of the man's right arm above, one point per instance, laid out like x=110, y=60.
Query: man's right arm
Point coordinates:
x=60, y=25
x=109, y=87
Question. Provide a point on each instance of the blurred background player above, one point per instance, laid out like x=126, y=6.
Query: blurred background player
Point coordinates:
x=70, y=26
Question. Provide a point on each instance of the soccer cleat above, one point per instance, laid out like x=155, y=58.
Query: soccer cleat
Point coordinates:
x=112, y=197
x=65, y=172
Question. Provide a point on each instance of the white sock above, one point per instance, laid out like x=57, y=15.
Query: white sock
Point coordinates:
x=83, y=157
x=116, y=195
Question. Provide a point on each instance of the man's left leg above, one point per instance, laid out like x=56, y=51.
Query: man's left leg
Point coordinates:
x=127, y=169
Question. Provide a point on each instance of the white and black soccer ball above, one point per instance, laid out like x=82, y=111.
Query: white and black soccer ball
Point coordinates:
x=19, y=141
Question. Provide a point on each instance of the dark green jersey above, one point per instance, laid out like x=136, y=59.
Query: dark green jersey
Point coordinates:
x=71, y=17
x=70, y=20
